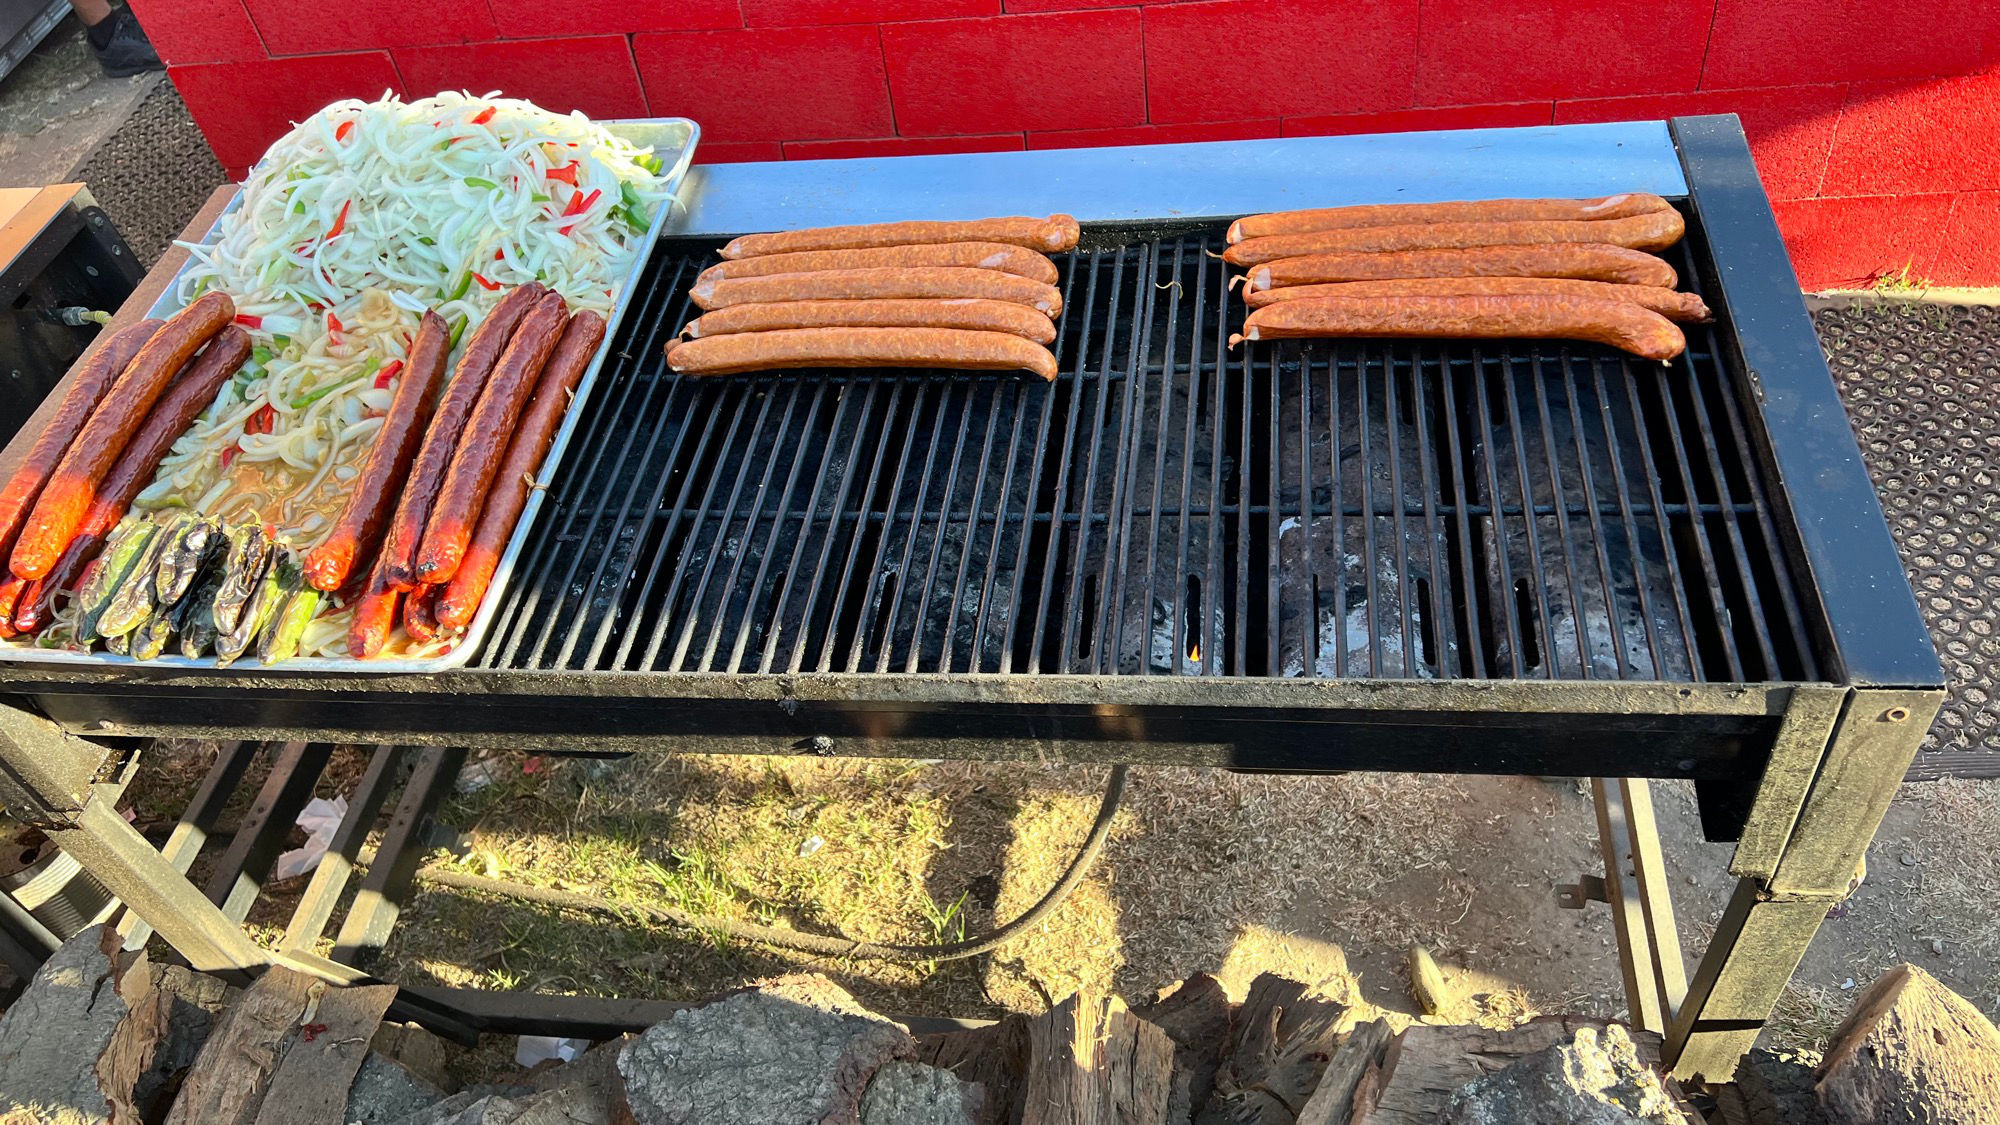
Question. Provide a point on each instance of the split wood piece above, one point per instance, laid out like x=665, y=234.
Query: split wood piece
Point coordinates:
x=234, y=1076
x=415, y=1050
x=1197, y=1015
x=172, y=1009
x=311, y=1083
x=1911, y=1050
x=1427, y=1064
x=1361, y=1051
x=1092, y=1062
x=1284, y=1038
x=994, y=1056
x=52, y=1037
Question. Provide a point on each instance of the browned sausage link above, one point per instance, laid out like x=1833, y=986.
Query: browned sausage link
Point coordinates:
x=860, y=347
x=1667, y=302
x=373, y=494
x=974, y=314
x=484, y=443
x=1616, y=323
x=455, y=608
x=397, y=565
x=1589, y=261
x=880, y=284
x=73, y=484
x=1654, y=231
x=971, y=255
x=374, y=618
x=93, y=377
x=1467, y=211
x=1057, y=232
x=420, y=614
x=171, y=416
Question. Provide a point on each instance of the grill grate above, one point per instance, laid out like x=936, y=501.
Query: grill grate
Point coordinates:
x=1167, y=507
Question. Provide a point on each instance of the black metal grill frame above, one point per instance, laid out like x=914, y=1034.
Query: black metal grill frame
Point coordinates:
x=1859, y=620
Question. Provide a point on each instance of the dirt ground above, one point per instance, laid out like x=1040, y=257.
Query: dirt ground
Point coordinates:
x=1330, y=880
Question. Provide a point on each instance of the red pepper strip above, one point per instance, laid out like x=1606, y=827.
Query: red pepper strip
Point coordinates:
x=579, y=203
x=333, y=327
x=262, y=421
x=484, y=115
x=387, y=373
x=340, y=224
x=346, y=127
x=499, y=254
x=229, y=455
x=249, y=320
x=566, y=173
x=485, y=284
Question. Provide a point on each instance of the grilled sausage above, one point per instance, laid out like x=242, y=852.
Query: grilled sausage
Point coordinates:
x=359, y=526
x=374, y=617
x=94, y=377
x=1669, y=303
x=1654, y=231
x=461, y=394
x=525, y=451
x=73, y=483
x=1587, y=260
x=1057, y=232
x=420, y=614
x=860, y=347
x=129, y=475
x=470, y=475
x=1470, y=211
x=1000, y=256
x=875, y=284
x=1617, y=323
x=970, y=313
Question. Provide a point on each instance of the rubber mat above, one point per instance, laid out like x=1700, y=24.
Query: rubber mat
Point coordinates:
x=1922, y=386
x=152, y=174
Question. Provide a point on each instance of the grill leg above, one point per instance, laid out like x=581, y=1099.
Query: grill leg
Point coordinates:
x=69, y=788
x=369, y=921
x=1799, y=859
x=1642, y=911
x=240, y=874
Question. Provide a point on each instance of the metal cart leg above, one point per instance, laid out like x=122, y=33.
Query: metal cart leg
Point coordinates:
x=1801, y=854
x=69, y=788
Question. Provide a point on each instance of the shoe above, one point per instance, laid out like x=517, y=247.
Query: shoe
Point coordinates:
x=127, y=51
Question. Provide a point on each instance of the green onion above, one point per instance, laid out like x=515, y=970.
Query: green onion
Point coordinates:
x=538, y=197
x=281, y=342
x=427, y=240
x=464, y=284
x=261, y=355
x=480, y=182
x=457, y=330
x=304, y=401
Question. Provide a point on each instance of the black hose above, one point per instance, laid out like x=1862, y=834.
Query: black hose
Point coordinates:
x=1079, y=866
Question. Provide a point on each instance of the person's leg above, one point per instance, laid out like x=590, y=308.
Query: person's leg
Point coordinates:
x=115, y=38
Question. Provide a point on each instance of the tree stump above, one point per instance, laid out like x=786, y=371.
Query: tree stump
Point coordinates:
x=1092, y=1062
x=1912, y=1050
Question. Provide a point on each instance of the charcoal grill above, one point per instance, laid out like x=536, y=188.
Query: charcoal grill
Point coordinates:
x=1308, y=556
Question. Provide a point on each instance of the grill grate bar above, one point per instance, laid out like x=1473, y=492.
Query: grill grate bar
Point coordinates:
x=1169, y=506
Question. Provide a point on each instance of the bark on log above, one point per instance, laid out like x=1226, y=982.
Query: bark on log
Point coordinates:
x=1198, y=1017
x=311, y=1083
x=1912, y=1050
x=995, y=1057
x=233, y=1072
x=1362, y=1050
x=1092, y=1062
x=1283, y=1041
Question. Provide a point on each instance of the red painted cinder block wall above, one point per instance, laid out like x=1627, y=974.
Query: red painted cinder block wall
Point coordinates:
x=1876, y=123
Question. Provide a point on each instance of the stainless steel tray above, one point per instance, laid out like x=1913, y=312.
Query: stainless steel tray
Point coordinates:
x=673, y=139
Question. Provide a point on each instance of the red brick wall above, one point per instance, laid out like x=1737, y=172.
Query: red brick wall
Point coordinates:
x=1876, y=123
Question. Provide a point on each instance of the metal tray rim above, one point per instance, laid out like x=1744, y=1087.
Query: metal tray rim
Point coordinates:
x=475, y=633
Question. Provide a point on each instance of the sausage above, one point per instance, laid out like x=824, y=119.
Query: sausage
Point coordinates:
x=359, y=526
x=73, y=483
x=461, y=394
x=1617, y=323
x=971, y=313
x=12, y=588
x=873, y=284
x=1654, y=231
x=1587, y=260
x=525, y=451
x=1471, y=211
x=133, y=471
x=94, y=376
x=477, y=458
x=1000, y=256
x=860, y=347
x=1057, y=232
x=374, y=617
x=1669, y=303
x=420, y=614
